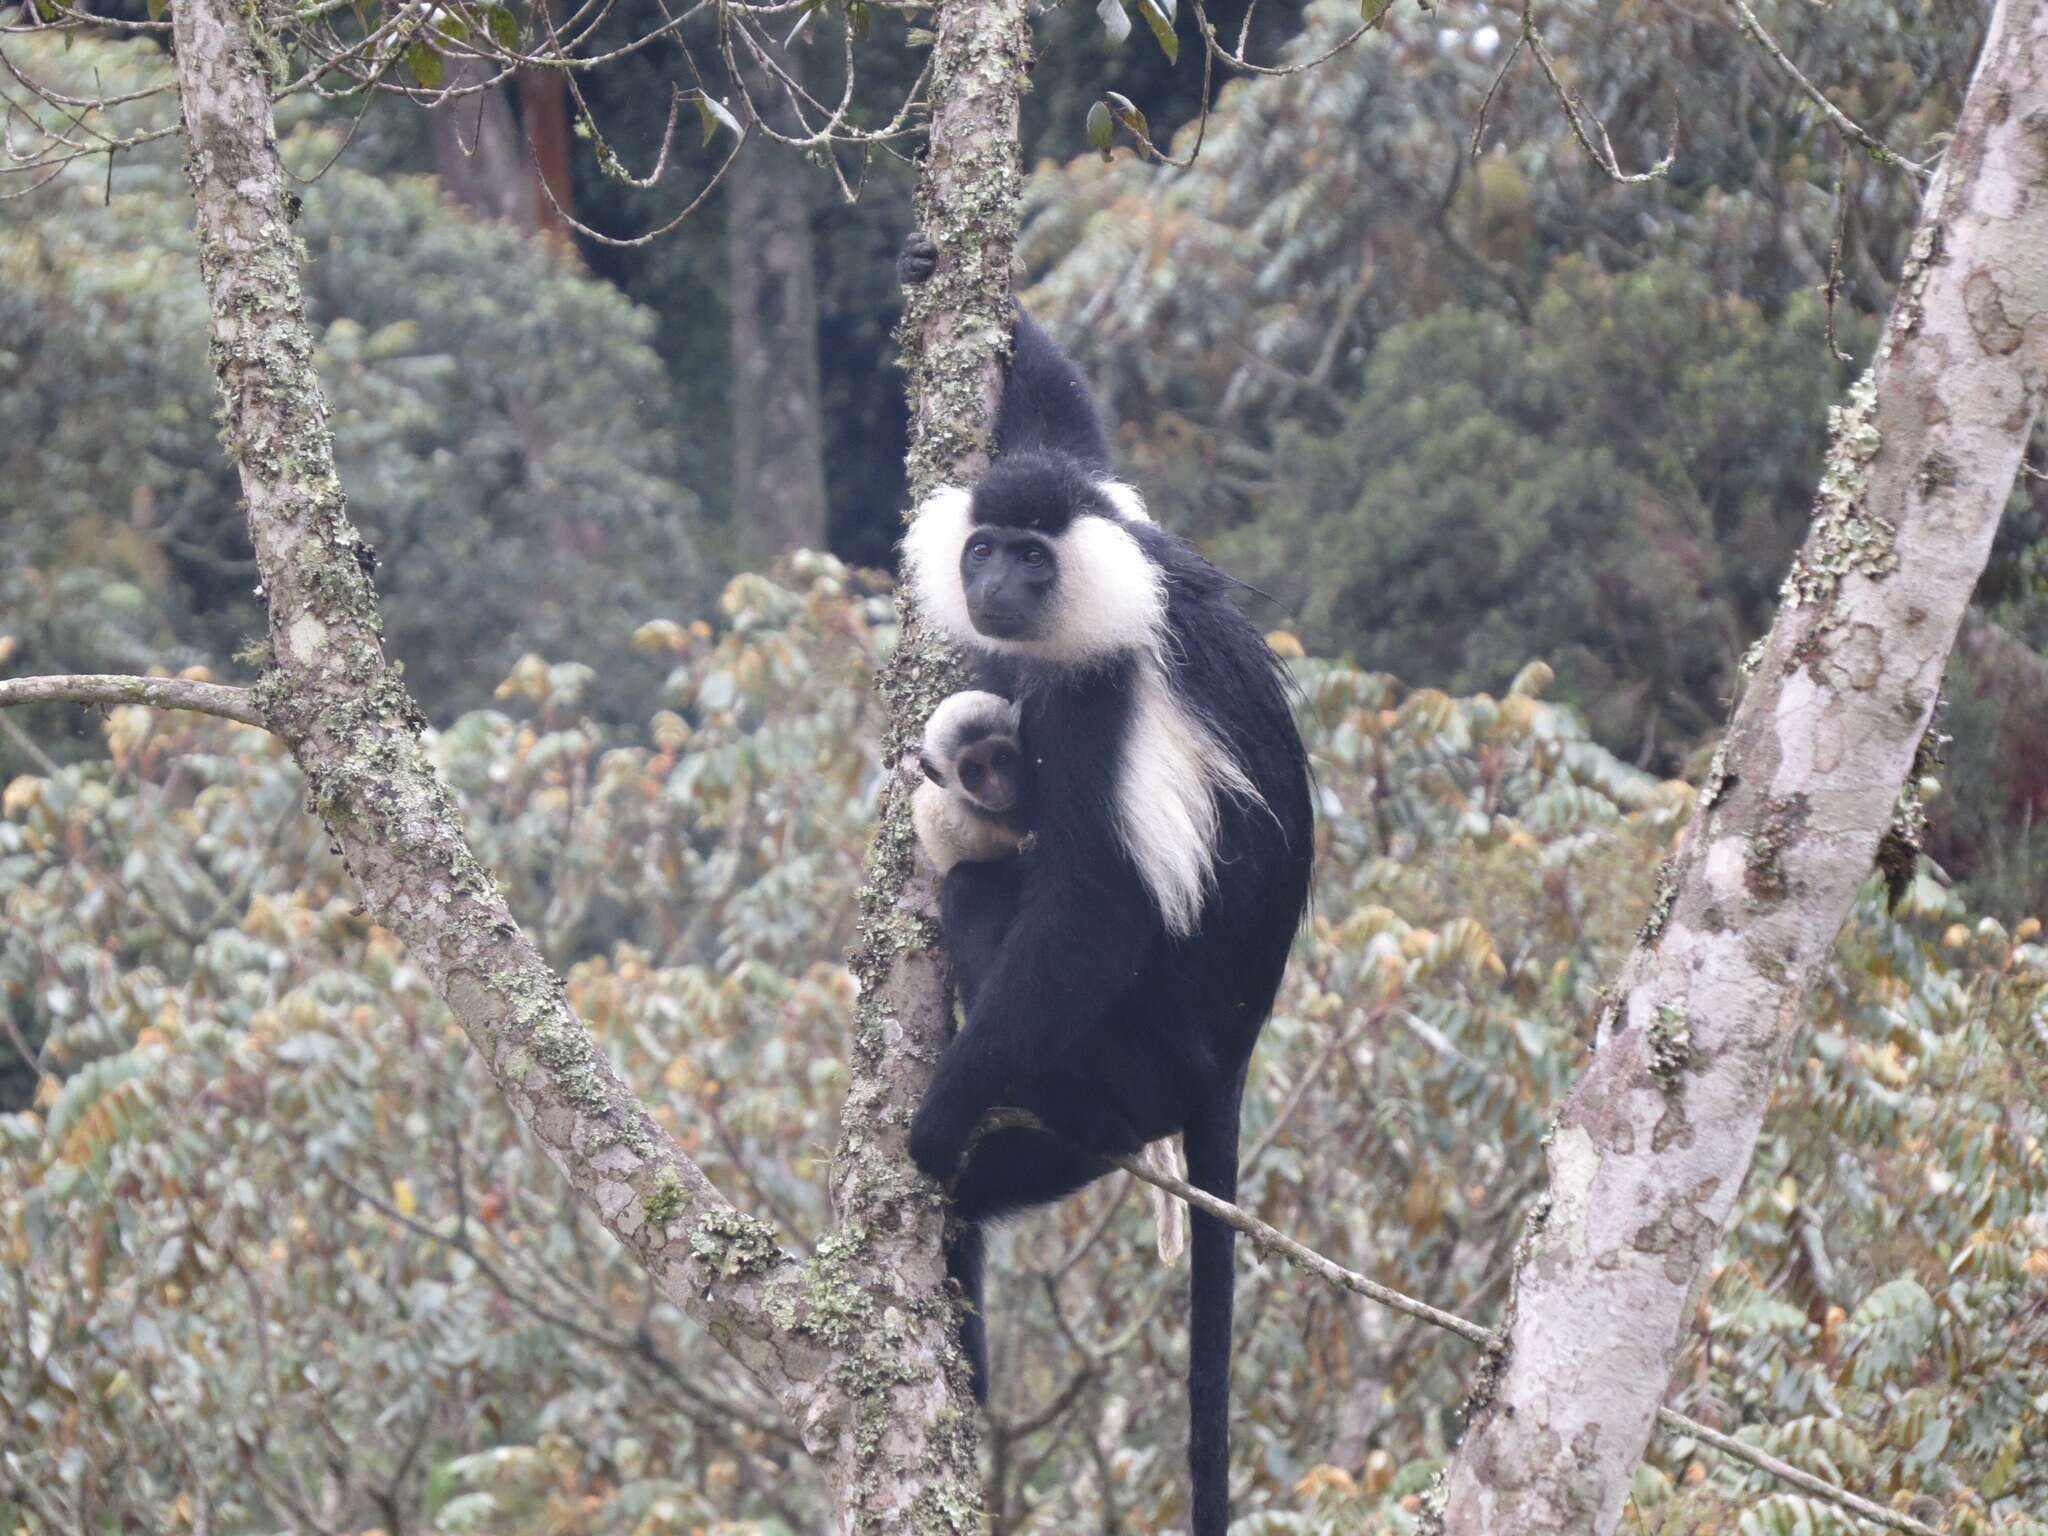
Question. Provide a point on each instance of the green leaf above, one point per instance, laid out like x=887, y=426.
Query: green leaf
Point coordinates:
x=920, y=37
x=452, y=27
x=711, y=114
x=1158, y=16
x=1115, y=22
x=157, y=8
x=504, y=26
x=1101, y=131
x=425, y=65
x=1127, y=113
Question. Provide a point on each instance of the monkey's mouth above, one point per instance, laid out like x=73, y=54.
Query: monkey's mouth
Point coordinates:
x=1000, y=624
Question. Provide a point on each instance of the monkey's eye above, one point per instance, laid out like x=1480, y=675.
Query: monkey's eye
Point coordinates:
x=980, y=549
x=970, y=775
x=1003, y=762
x=1034, y=556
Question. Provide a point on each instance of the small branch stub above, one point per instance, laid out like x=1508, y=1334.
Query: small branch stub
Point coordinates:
x=105, y=689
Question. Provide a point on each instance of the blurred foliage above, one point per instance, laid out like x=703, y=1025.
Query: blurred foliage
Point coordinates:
x=1620, y=483
x=272, y=1253
x=498, y=421
x=1450, y=411
x=276, y=1255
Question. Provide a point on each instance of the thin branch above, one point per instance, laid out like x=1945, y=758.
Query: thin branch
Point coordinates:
x=26, y=744
x=1314, y=1070
x=1238, y=61
x=1584, y=124
x=157, y=692
x=1479, y=123
x=1271, y=1240
x=1877, y=149
x=1806, y=1482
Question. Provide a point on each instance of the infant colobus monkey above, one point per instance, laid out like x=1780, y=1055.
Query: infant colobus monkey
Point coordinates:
x=970, y=809
x=1115, y=975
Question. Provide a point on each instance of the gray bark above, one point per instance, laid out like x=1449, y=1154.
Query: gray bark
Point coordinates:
x=778, y=441
x=1650, y=1151
x=157, y=692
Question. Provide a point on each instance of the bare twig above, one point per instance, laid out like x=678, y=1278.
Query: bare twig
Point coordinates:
x=1584, y=125
x=1877, y=149
x=27, y=744
x=1269, y=1240
x=1832, y=288
x=1479, y=123
x=1806, y=1482
x=1314, y=1070
x=157, y=692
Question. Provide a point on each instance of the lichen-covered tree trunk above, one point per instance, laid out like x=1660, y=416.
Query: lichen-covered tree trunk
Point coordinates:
x=345, y=714
x=906, y=1460
x=1650, y=1151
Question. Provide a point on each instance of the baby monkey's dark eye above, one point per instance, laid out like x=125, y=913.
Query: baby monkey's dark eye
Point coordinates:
x=970, y=775
x=1003, y=762
x=980, y=549
x=1033, y=555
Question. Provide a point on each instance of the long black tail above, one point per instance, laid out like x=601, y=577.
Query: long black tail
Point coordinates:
x=1212, y=1166
x=963, y=1264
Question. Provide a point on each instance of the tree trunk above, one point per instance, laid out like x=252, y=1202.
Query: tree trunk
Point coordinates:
x=1649, y=1153
x=778, y=451
x=906, y=1458
x=544, y=111
x=860, y=1344
x=513, y=171
x=479, y=155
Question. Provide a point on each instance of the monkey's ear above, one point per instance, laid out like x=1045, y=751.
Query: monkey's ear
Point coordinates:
x=931, y=770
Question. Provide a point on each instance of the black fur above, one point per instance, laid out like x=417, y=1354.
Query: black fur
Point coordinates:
x=1045, y=404
x=1080, y=1005
x=1038, y=489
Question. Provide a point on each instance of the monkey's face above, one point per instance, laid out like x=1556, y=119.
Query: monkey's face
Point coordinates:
x=988, y=772
x=1009, y=577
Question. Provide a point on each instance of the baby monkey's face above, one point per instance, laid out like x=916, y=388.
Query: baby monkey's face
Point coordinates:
x=987, y=771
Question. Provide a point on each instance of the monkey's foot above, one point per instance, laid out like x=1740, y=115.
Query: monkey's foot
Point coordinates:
x=918, y=261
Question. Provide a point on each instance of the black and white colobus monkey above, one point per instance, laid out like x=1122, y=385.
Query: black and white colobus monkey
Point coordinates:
x=1115, y=976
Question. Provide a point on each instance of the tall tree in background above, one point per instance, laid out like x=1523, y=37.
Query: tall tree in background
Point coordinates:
x=778, y=441
x=477, y=150
x=502, y=166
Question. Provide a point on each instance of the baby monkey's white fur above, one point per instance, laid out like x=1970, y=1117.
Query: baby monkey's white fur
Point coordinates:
x=950, y=825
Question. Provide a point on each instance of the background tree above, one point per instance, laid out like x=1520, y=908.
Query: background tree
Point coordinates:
x=778, y=496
